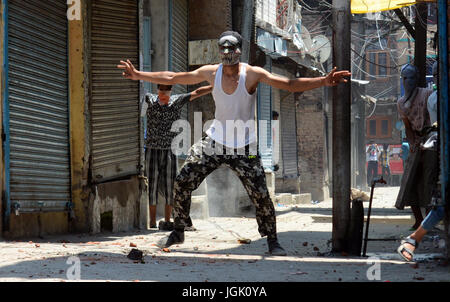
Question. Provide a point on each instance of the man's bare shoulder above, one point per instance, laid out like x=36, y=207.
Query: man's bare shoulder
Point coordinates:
x=208, y=68
x=255, y=74
x=254, y=69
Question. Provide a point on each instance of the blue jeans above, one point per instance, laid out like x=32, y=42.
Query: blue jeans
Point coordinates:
x=433, y=218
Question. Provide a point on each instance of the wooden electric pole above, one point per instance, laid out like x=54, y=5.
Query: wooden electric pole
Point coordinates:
x=420, y=49
x=341, y=127
x=247, y=28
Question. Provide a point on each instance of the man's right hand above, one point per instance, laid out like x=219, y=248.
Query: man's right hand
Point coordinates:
x=129, y=71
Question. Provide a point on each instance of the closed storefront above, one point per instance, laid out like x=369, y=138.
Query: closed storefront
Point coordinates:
x=265, y=116
x=114, y=100
x=36, y=108
x=289, y=137
x=178, y=43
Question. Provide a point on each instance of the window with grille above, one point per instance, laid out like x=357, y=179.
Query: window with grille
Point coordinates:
x=379, y=127
x=377, y=64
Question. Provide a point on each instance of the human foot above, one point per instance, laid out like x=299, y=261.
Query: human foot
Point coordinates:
x=275, y=248
x=407, y=248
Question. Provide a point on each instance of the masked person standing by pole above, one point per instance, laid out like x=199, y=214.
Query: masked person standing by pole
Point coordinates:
x=234, y=95
x=411, y=243
x=418, y=178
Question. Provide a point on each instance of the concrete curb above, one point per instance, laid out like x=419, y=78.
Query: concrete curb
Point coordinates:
x=391, y=219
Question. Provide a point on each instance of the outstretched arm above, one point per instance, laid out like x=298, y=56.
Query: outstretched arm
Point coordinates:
x=200, y=92
x=302, y=84
x=164, y=77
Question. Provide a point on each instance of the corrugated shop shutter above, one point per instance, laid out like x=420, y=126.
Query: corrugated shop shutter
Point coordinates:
x=114, y=100
x=265, y=114
x=39, y=153
x=178, y=48
x=289, y=137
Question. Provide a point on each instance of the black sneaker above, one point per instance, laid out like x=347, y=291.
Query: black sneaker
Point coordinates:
x=275, y=248
x=174, y=238
x=165, y=226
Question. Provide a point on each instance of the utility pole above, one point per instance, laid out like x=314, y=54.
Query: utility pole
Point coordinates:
x=419, y=34
x=341, y=127
x=247, y=29
x=420, y=49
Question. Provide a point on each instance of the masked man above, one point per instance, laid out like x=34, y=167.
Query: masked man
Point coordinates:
x=418, y=178
x=234, y=92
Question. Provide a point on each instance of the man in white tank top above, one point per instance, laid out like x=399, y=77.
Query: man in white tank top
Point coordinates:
x=234, y=94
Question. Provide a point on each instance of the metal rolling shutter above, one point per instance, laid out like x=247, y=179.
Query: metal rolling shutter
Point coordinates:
x=178, y=48
x=265, y=114
x=39, y=161
x=114, y=100
x=289, y=137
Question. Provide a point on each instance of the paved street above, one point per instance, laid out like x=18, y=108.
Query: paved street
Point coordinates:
x=213, y=253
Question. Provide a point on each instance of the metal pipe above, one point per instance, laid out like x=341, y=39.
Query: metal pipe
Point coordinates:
x=443, y=94
x=366, y=236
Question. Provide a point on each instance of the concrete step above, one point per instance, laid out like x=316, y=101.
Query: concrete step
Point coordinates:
x=283, y=198
x=390, y=219
x=304, y=198
x=288, y=198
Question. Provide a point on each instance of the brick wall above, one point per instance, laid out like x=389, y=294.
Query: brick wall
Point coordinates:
x=312, y=152
x=378, y=85
x=208, y=19
x=385, y=109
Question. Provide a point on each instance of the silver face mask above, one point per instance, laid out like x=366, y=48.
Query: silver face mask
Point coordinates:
x=229, y=50
x=229, y=56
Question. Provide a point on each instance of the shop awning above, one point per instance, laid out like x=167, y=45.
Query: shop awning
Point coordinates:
x=371, y=6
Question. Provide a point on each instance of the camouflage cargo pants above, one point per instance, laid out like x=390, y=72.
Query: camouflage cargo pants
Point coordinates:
x=201, y=161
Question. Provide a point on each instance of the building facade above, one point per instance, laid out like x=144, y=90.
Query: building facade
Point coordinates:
x=72, y=134
x=71, y=143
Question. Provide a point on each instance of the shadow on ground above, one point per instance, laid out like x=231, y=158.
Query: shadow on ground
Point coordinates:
x=307, y=260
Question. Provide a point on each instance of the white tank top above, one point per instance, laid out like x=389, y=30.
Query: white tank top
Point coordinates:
x=234, y=120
